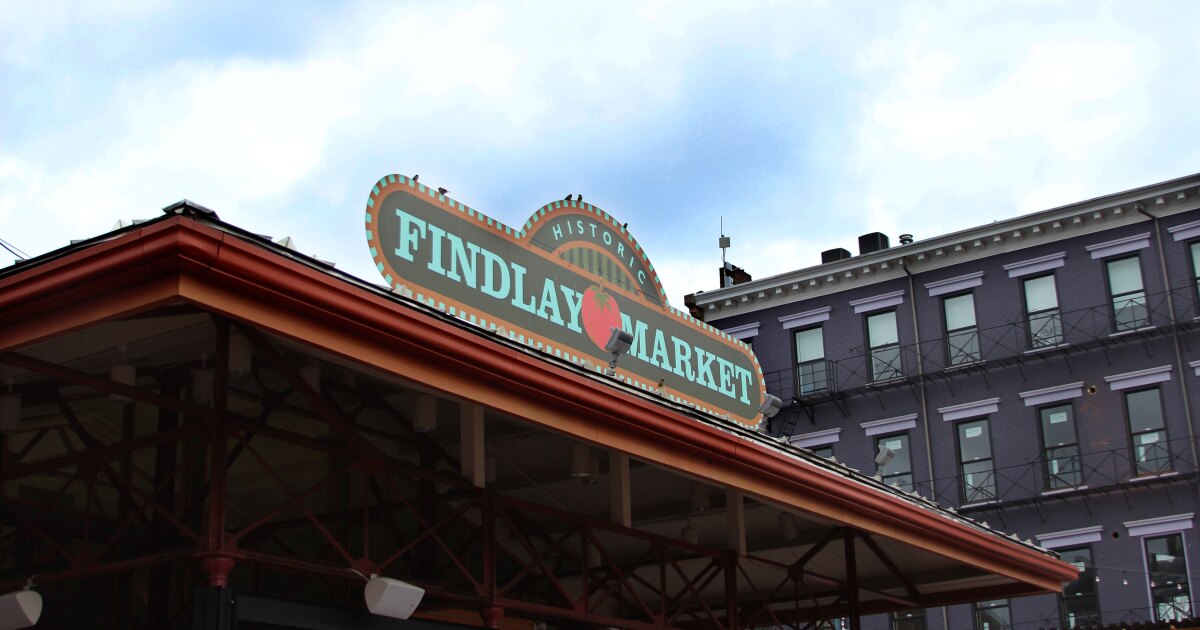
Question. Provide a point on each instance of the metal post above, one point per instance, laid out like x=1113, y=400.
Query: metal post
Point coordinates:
x=731, y=591
x=851, y=580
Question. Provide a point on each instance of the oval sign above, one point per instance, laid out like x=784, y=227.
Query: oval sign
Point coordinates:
x=559, y=285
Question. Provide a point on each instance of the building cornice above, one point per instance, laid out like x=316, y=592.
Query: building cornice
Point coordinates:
x=1015, y=234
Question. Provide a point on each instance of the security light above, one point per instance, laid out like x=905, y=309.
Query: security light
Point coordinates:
x=885, y=456
x=20, y=609
x=770, y=406
x=392, y=598
x=618, y=343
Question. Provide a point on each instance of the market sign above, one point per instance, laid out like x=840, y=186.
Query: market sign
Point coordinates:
x=559, y=286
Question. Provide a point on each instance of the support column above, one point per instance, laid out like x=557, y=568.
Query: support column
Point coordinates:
x=620, y=505
x=851, y=580
x=471, y=433
x=214, y=608
x=735, y=521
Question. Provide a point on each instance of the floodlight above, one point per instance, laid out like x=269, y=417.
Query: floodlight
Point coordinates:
x=20, y=609
x=770, y=406
x=618, y=343
x=885, y=456
x=392, y=598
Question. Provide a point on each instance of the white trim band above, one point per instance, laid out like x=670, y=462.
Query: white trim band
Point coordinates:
x=1119, y=246
x=1148, y=376
x=815, y=316
x=1052, y=394
x=1160, y=525
x=877, y=302
x=1186, y=231
x=743, y=332
x=816, y=438
x=1036, y=265
x=970, y=410
x=950, y=285
x=1195, y=365
x=890, y=425
x=1071, y=537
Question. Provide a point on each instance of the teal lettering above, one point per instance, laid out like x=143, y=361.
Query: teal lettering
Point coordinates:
x=638, y=347
x=494, y=271
x=412, y=230
x=574, y=303
x=435, y=249
x=704, y=368
x=460, y=259
x=519, y=289
x=683, y=359
x=550, y=303
x=744, y=377
x=660, y=350
x=726, y=370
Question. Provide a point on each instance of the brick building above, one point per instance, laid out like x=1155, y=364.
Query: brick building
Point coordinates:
x=1039, y=373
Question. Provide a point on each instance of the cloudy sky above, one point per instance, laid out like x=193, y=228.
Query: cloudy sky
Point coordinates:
x=803, y=124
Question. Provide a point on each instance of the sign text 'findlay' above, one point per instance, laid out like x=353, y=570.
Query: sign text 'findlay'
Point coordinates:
x=462, y=261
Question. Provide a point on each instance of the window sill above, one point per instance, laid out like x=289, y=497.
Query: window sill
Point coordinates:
x=1131, y=332
x=1050, y=493
x=887, y=381
x=964, y=366
x=1145, y=478
x=967, y=506
x=1047, y=348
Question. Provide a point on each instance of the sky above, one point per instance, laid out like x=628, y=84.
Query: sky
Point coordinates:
x=796, y=125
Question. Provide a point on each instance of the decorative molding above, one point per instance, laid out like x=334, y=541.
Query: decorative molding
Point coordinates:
x=816, y=438
x=1071, y=537
x=1148, y=376
x=1186, y=231
x=1195, y=365
x=950, y=285
x=970, y=410
x=890, y=425
x=815, y=316
x=1046, y=395
x=1036, y=265
x=1119, y=246
x=1160, y=525
x=877, y=302
x=743, y=332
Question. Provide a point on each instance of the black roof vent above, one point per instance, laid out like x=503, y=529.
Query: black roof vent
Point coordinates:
x=190, y=208
x=833, y=255
x=872, y=242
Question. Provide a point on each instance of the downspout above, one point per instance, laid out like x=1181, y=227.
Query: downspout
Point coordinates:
x=912, y=305
x=1183, y=381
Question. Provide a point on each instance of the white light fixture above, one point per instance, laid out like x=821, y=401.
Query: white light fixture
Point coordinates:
x=581, y=465
x=202, y=385
x=125, y=375
x=618, y=343
x=20, y=609
x=700, y=497
x=770, y=406
x=425, y=414
x=689, y=534
x=392, y=598
x=788, y=529
x=10, y=412
x=885, y=456
x=239, y=355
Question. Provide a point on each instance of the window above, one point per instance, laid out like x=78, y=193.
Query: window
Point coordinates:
x=1170, y=590
x=1080, y=605
x=975, y=461
x=992, y=615
x=823, y=451
x=908, y=620
x=885, y=346
x=1041, y=310
x=1194, y=248
x=962, y=335
x=832, y=624
x=1128, y=297
x=897, y=472
x=812, y=374
x=1060, y=447
x=1147, y=432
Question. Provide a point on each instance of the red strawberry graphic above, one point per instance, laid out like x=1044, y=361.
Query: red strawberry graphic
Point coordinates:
x=600, y=314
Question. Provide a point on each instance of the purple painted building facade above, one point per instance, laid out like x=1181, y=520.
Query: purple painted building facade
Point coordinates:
x=1040, y=373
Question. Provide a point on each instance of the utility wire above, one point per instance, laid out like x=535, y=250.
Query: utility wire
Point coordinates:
x=13, y=249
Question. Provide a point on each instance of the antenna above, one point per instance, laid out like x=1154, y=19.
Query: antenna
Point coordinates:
x=723, y=243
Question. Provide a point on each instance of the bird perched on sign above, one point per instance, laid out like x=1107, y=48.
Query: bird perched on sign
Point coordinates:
x=624, y=226
x=579, y=197
x=567, y=198
x=442, y=191
x=415, y=178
